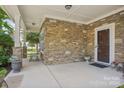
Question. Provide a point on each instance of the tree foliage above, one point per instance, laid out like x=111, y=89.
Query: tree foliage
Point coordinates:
x=6, y=40
x=4, y=25
x=3, y=14
x=32, y=37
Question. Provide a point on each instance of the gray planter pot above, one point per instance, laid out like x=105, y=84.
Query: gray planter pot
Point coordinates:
x=87, y=59
x=16, y=66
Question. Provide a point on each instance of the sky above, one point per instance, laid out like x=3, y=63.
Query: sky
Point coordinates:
x=9, y=21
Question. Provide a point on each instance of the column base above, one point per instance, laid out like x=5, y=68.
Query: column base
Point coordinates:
x=17, y=51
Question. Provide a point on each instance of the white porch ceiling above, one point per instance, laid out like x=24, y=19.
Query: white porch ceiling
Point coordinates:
x=78, y=13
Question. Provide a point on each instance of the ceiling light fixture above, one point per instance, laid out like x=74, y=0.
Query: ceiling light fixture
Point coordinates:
x=33, y=24
x=68, y=7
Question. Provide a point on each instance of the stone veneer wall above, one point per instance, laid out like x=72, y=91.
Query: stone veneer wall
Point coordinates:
x=63, y=41
x=67, y=42
x=118, y=19
x=17, y=51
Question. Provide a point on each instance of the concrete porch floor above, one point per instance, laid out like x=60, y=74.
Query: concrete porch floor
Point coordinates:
x=72, y=75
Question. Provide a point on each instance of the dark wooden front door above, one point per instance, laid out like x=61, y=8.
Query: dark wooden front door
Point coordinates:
x=103, y=46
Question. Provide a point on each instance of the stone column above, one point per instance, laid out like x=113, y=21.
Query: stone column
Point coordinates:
x=24, y=50
x=17, y=49
x=24, y=42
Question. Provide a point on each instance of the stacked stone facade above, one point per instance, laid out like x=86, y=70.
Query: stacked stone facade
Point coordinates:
x=63, y=42
x=17, y=51
x=66, y=42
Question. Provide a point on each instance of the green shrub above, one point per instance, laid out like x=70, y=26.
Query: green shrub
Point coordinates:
x=4, y=60
x=122, y=86
x=4, y=57
x=32, y=37
x=3, y=72
x=6, y=40
x=4, y=25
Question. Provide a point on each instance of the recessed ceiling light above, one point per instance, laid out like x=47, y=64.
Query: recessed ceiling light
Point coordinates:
x=68, y=7
x=33, y=24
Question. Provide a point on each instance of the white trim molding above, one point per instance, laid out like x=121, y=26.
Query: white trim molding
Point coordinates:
x=111, y=28
x=64, y=19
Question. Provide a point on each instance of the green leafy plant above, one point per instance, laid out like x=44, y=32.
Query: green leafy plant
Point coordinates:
x=6, y=43
x=33, y=38
x=4, y=57
x=6, y=40
x=4, y=25
x=3, y=72
x=4, y=60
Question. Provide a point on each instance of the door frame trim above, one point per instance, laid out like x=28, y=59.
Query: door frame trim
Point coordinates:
x=111, y=28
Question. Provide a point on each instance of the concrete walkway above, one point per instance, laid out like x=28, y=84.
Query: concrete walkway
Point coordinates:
x=72, y=75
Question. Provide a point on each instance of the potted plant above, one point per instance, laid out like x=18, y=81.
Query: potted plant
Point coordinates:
x=87, y=56
x=86, y=52
x=16, y=64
